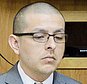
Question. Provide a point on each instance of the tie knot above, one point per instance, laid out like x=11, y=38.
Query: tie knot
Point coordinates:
x=38, y=83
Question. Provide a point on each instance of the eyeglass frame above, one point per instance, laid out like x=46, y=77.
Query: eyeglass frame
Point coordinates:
x=32, y=34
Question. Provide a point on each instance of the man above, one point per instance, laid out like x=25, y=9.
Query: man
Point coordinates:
x=39, y=40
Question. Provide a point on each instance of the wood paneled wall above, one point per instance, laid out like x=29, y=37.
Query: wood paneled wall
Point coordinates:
x=73, y=10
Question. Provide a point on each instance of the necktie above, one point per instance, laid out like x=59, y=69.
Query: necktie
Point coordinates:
x=38, y=83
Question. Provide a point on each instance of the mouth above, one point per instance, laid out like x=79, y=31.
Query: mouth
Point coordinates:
x=49, y=58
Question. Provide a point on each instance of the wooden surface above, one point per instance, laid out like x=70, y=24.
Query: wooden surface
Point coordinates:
x=72, y=11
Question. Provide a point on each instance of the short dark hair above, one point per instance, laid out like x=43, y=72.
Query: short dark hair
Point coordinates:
x=19, y=23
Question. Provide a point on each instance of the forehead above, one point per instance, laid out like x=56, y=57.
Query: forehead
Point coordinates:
x=46, y=22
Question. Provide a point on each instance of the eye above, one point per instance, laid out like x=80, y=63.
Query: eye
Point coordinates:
x=39, y=36
x=58, y=37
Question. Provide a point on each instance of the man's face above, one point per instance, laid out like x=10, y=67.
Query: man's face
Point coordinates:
x=42, y=58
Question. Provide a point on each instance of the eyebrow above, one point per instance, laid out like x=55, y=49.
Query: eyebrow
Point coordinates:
x=58, y=30
x=40, y=30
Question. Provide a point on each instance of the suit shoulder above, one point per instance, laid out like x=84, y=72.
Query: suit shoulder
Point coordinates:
x=65, y=79
x=2, y=78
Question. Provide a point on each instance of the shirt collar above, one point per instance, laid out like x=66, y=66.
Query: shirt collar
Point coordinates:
x=27, y=80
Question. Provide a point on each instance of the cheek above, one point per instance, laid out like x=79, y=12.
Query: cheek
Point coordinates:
x=60, y=51
x=37, y=51
x=30, y=48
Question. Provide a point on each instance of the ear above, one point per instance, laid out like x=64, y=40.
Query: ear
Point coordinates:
x=14, y=43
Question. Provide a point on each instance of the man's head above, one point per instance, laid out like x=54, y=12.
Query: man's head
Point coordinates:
x=39, y=39
x=37, y=8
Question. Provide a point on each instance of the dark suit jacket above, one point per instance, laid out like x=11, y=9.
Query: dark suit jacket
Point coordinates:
x=13, y=77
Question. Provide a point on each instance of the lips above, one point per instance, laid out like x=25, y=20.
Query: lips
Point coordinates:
x=49, y=58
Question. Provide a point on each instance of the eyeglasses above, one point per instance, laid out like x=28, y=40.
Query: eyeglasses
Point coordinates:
x=43, y=37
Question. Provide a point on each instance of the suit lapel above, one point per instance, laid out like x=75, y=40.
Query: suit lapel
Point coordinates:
x=13, y=76
x=57, y=79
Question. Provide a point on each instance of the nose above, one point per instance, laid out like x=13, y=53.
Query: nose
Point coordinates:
x=50, y=44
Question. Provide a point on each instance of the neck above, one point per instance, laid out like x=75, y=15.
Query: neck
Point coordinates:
x=37, y=76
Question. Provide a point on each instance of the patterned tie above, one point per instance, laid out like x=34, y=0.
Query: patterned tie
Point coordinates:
x=38, y=83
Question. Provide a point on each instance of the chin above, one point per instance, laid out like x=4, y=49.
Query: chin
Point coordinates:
x=48, y=69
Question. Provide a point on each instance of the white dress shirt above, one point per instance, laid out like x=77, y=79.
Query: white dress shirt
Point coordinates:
x=27, y=80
